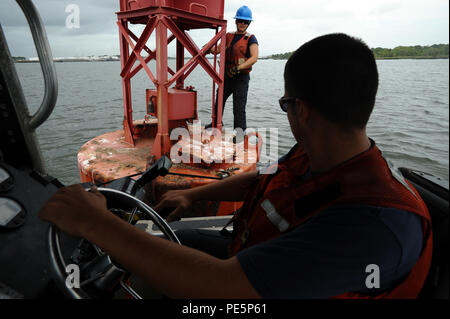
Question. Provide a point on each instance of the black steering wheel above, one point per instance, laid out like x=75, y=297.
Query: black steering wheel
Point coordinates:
x=102, y=261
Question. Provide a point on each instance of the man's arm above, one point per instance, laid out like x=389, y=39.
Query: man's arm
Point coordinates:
x=214, y=50
x=177, y=271
x=233, y=189
x=254, y=51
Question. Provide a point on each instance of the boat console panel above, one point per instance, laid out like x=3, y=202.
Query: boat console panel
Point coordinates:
x=23, y=243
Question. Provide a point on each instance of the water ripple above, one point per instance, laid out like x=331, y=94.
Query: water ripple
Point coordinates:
x=410, y=121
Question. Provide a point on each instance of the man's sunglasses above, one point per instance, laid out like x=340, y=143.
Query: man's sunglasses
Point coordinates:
x=243, y=21
x=285, y=101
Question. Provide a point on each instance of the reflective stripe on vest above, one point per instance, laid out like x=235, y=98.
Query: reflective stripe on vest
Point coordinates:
x=274, y=217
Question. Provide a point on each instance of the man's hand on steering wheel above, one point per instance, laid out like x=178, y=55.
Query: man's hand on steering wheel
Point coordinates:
x=74, y=210
x=180, y=199
x=85, y=214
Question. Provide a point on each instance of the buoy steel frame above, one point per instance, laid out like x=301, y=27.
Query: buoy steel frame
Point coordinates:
x=161, y=19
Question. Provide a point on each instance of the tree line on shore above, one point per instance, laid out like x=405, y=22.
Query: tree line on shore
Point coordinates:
x=435, y=51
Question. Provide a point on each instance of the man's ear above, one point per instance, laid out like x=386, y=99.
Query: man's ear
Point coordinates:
x=304, y=111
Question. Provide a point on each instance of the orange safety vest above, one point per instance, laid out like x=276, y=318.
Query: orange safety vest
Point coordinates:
x=280, y=202
x=235, y=54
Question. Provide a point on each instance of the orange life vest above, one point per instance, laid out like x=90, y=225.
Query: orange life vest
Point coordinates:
x=280, y=202
x=235, y=54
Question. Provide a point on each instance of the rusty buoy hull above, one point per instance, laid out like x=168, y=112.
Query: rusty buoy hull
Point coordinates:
x=108, y=157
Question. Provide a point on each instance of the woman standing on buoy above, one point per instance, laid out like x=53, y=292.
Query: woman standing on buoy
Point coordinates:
x=241, y=54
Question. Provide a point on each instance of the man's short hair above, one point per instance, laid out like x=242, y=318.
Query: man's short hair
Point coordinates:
x=337, y=75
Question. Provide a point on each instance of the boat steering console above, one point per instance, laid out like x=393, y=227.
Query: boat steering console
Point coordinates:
x=30, y=273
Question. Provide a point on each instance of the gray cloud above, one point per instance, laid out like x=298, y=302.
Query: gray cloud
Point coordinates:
x=97, y=18
x=279, y=27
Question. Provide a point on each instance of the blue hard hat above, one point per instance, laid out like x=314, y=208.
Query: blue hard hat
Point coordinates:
x=244, y=13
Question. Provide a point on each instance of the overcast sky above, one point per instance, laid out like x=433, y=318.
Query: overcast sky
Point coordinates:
x=280, y=26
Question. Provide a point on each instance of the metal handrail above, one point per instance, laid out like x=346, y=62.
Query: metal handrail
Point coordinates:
x=46, y=62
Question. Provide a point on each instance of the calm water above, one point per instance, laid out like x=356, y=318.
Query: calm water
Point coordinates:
x=410, y=122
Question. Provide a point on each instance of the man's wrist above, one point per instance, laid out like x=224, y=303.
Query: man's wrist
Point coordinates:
x=97, y=221
x=192, y=194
